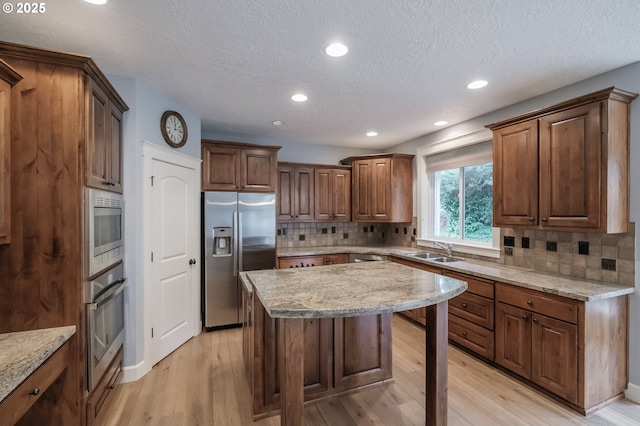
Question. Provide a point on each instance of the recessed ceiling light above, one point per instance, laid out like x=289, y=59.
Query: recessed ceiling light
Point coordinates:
x=371, y=134
x=299, y=97
x=278, y=123
x=96, y=1
x=440, y=123
x=478, y=84
x=336, y=50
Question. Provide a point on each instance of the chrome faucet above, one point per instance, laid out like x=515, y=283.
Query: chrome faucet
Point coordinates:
x=448, y=247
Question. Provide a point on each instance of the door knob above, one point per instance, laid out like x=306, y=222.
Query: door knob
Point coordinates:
x=192, y=261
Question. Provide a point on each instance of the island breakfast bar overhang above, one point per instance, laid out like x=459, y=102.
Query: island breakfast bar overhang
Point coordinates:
x=351, y=290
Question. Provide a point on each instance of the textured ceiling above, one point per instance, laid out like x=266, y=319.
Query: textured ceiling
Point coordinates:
x=237, y=62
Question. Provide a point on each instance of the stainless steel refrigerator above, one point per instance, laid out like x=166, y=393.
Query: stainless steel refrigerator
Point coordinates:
x=239, y=234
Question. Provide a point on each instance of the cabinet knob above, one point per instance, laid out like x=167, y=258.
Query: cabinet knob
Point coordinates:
x=464, y=305
x=544, y=219
x=535, y=320
x=34, y=392
x=291, y=266
x=464, y=333
x=524, y=317
x=529, y=302
x=531, y=219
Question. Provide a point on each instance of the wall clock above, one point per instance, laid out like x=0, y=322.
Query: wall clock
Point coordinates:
x=174, y=129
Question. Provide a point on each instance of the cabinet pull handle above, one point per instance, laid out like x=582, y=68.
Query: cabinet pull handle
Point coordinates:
x=34, y=392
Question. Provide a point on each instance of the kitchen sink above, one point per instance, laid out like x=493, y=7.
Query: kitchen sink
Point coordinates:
x=446, y=259
x=424, y=255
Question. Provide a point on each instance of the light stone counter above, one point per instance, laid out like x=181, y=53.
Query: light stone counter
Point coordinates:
x=349, y=290
x=573, y=288
x=21, y=353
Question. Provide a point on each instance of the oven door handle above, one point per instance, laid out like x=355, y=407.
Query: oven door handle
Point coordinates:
x=108, y=293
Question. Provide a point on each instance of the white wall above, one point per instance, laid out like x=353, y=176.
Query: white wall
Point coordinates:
x=142, y=123
x=627, y=78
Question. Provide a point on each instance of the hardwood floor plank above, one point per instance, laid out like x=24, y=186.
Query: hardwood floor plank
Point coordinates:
x=204, y=383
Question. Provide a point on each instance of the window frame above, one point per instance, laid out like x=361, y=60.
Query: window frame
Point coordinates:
x=425, y=198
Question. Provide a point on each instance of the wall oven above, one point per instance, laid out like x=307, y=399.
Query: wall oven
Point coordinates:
x=104, y=229
x=105, y=321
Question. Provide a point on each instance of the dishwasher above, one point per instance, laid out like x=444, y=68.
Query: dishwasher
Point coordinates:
x=356, y=258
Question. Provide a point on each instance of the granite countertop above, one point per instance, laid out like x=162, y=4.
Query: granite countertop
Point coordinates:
x=573, y=288
x=21, y=353
x=348, y=290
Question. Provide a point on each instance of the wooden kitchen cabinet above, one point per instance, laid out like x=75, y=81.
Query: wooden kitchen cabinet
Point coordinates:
x=576, y=350
x=471, y=315
x=333, y=194
x=55, y=130
x=228, y=166
x=8, y=77
x=104, y=140
x=565, y=167
x=295, y=193
x=339, y=354
x=382, y=187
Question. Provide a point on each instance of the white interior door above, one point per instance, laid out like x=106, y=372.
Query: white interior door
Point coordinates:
x=173, y=241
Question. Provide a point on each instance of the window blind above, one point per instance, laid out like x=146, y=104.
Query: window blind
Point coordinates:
x=467, y=156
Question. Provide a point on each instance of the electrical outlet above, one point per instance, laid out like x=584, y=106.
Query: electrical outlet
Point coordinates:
x=345, y=236
x=333, y=229
x=301, y=237
x=552, y=246
x=583, y=247
x=509, y=241
x=324, y=230
x=609, y=264
x=525, y=242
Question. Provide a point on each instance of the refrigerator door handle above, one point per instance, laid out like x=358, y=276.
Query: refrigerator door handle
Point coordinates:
x=235, y=243
x=239, y=244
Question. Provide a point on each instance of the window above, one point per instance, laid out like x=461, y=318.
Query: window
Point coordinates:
x=455, y=196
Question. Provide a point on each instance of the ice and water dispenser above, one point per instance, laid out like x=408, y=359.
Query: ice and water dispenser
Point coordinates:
x=222, y=240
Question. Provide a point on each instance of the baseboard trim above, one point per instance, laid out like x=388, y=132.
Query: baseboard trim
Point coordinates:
x=633, y=393
x=133, y=373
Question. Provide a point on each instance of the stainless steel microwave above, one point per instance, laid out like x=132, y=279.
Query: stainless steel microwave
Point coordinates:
x=104, y=229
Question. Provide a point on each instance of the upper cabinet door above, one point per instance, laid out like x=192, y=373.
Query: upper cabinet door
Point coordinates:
x=362, y=191
x=341, y=194
x=380, y=189
x=570, y=168
x=8, y=77
x=104, y=141
x=259, y=168
x=515, y=174
x=97, y=146
x=221, y=168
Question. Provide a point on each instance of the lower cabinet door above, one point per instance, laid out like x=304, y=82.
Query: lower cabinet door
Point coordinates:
x=362, y=350
x=513, y=339
x=471, y=336
x=554, y=356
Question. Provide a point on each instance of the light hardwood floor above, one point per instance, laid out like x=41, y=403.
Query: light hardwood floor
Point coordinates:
x=204, y=383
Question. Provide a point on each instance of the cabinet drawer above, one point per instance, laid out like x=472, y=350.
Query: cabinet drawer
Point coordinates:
x=536, y=301
x=476, y=309
x=104, y=387
x=14, y=406
x=471, y=336
x=477, y=286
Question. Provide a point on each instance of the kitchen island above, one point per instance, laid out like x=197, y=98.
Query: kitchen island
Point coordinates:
x=352, y=291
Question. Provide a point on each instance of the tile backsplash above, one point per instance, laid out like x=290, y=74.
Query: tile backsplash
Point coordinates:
x=600, y=257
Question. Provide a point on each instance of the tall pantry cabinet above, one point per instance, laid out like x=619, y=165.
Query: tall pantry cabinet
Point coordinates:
x=58, y=139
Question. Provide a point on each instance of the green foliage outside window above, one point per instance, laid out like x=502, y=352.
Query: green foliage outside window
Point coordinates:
x=477, y=185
